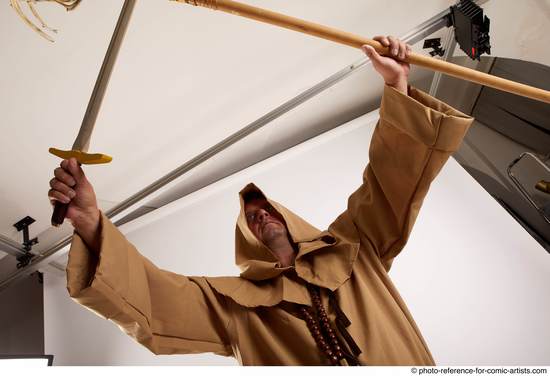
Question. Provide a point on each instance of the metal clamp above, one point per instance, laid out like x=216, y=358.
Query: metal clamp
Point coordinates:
x=23, y=225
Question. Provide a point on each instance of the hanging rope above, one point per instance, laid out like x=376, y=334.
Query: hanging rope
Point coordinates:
x=16, y=5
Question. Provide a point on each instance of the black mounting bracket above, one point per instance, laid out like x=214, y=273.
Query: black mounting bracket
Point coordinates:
x=434, y=43
x=471, y=28
x=23, y=225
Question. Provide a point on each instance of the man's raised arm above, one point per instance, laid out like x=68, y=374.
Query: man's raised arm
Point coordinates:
x=413, y=139
x=166, y=312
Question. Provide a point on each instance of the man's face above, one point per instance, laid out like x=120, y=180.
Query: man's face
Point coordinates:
x=264, y=221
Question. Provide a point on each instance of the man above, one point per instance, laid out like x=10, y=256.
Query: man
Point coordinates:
x=304, y=297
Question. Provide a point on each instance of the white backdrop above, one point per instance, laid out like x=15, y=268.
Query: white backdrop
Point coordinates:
x=474, y=280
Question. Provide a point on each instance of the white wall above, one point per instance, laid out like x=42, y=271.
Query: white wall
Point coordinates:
x=474, y=280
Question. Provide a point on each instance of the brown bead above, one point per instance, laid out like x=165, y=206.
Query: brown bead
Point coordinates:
x=339, y=354
x=334, y=359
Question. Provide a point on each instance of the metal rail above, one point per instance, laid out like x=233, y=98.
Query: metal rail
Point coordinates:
x=11, y=247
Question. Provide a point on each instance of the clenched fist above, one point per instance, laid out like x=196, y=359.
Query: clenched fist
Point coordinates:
x=70, y=186
x=393, y=70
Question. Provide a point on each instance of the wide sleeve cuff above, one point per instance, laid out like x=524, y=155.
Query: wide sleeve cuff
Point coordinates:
x=424, y=118
x=107, y=283
x=166, y=312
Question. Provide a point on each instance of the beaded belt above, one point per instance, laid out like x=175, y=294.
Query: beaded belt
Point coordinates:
x=322, y=331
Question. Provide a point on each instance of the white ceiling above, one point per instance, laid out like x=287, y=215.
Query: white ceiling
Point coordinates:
x=186, y=78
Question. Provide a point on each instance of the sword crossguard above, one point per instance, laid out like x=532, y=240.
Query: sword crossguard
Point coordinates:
x=81, y=157
x=60, y=209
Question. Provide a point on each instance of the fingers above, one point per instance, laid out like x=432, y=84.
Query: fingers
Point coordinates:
x=371, y=53
x=396, y=47
x=383, y=40
x=403, y=51
x=60, y=191
x=66, y=176
x=408, y=51
x=56, y=196
x=73, y=168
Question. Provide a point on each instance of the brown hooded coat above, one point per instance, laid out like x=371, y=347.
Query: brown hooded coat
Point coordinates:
x=253, y=317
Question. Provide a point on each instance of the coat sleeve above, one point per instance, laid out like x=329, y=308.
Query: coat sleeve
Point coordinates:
x=166, y=312
x=413, y=139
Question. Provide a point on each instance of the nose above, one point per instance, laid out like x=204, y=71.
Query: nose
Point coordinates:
x=262, y=215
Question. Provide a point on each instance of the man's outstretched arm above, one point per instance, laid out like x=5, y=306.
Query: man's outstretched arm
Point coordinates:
x=415, y=136
x=166, y=312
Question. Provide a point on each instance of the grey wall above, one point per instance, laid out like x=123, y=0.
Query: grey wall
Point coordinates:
x=22, y=317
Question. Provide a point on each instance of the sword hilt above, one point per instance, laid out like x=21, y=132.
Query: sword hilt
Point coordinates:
x=60, y=209
x=59, y=213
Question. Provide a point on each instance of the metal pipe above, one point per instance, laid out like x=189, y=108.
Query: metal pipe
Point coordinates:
x=125, y=207
x=11, y=247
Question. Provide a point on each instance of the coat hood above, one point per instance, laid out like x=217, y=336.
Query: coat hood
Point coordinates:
x=324, y=258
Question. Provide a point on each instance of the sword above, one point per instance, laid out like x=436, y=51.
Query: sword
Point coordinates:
x=81, y=144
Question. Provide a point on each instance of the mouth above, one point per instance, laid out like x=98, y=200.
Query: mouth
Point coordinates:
x=267, y=223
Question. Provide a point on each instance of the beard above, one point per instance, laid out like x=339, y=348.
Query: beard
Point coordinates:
x=273, y=231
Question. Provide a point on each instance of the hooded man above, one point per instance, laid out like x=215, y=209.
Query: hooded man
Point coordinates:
x=305, y=296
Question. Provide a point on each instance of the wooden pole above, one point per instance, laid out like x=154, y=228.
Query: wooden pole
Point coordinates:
x=357, y=41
